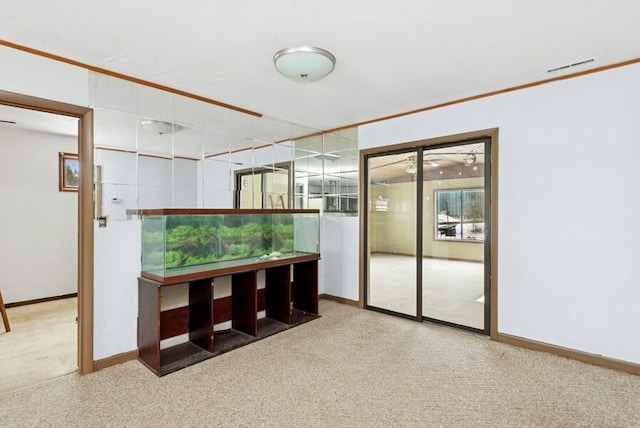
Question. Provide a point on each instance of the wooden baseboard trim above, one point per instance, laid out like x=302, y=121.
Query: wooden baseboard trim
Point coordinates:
x=338, y=299
x=597, y=360
x=115, y=360
x=44, y=299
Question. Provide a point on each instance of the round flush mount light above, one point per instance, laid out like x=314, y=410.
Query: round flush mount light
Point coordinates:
x=304, y=64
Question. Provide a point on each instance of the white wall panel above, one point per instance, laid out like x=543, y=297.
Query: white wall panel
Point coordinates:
x=117, y=167
x=115, y=129
x=339, y=247
x=38, y=223
x=117, y=267
x=113, y=94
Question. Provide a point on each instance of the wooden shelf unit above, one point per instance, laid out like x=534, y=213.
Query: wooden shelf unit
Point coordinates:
x=286, y=303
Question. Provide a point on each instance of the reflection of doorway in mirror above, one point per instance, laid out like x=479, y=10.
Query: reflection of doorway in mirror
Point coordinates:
x=251, y=191
x=277, y=189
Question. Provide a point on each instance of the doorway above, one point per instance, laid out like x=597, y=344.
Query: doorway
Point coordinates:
x=427, y=231
x=85, y=213
x=37, y=149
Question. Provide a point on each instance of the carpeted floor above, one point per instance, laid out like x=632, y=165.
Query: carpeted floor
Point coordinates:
x=350, y=368
x=42, y=344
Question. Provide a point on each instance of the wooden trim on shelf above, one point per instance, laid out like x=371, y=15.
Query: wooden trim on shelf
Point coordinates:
x=126, y=77
x=216, y=272
x=598, y=360
x=216, y=211
x=338, y=299
x=115, y=360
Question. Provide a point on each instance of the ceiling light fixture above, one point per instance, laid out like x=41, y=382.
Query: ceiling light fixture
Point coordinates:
x=411, y=167
x=469, y=159
x=160, y=127
x=304, y=64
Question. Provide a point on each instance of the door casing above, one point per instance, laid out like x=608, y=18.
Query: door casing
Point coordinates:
x=85, y=212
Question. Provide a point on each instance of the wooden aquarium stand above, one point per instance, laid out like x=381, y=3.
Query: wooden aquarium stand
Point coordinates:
x=287, y=303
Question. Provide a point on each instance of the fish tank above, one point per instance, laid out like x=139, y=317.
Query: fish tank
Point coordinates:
x=178, y=242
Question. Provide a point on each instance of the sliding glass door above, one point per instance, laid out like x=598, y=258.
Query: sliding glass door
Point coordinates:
x=453, y=276
x=392, y=234
x=427, y=223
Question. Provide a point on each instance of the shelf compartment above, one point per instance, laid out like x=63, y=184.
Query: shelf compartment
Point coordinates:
x=180, y=356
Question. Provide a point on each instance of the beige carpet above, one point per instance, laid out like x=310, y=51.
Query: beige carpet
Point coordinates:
x=350, y=368
x=41, y=345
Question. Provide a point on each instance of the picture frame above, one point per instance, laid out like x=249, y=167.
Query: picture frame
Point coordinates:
x=68, y=172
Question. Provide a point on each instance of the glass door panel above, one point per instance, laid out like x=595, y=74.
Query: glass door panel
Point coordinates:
x=453, y=233
x=391, y=224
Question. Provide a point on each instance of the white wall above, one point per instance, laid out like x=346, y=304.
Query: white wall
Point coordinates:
x=339, y=249
x=116, y=269
x=568, y=205
x=137, y=182
x=38, y=223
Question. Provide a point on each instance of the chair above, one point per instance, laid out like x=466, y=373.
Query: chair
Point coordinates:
x=5, y=318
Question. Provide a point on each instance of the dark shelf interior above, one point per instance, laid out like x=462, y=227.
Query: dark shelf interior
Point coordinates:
x=182, y=355
x=228, y=340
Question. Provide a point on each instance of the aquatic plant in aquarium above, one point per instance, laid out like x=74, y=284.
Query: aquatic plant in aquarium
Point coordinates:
x=175, y=241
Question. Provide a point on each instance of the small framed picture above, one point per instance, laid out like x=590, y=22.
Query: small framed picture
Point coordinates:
x=69, y=172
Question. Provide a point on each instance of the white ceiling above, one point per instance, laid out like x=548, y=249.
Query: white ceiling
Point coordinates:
x=37, y=121
x=392, y=56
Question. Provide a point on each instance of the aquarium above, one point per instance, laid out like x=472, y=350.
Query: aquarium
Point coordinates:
x=183, y=241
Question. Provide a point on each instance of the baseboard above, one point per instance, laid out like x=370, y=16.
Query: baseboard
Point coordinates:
x=598, y=360
x=338, y=299
x=115, y=360
x=44, y=299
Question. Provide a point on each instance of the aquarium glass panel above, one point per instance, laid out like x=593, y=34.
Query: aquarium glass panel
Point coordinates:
x=177, y=244
x=153, y=244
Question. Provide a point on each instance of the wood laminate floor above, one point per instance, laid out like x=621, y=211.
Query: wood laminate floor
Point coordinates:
x=41, y=345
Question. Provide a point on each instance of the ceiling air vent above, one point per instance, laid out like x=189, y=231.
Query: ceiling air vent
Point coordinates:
x=572, y=65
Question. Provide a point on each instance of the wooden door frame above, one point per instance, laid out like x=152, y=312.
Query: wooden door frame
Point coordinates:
x=492, y=134
x=85, y=212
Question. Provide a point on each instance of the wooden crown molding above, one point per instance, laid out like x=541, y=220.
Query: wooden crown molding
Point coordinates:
x=126, y=77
